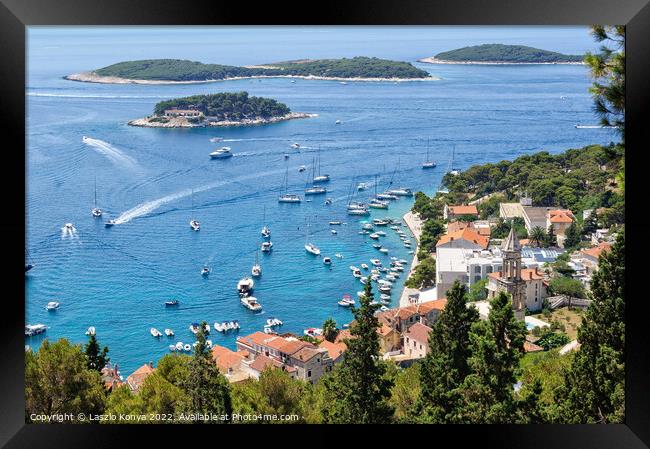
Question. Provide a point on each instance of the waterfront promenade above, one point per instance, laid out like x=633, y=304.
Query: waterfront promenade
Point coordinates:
x=415, y=225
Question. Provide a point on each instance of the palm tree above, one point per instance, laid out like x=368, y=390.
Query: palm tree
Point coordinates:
x=329, y=330
x=537, y=235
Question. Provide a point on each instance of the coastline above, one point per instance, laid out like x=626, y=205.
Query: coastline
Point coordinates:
x=182, y=122
x=433, y=60
x=414, y=224
x=91, y=77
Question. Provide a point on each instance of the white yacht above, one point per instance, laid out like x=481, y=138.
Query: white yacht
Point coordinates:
x=221, y=153
x=313, y=249
x=245, y=285
x=427, y=162
x=96, y=211
x=347, y=301
x=315, y=190
x=267, y=246
x=289, y=198
x=52, y=305
x=250, y=302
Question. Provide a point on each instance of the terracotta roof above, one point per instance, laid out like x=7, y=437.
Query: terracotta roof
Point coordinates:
x=227, y=359
x=261, y=362
x=455, y=226
x=467, y=233
x=404, y=313
x=438, y=304
x=258, y=338
x=343, y=334
x=384, y=329
x=305, y=354
x=596, y=251
x=136, y=379
x=282, y=344
x=418, y=332
x=532, y=347
x=463, y=210
x=527, y=274
x=333, y=349
x=560, y=216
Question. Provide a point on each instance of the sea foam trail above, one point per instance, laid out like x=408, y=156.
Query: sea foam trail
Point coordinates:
x=113, y=154
x=150, y=206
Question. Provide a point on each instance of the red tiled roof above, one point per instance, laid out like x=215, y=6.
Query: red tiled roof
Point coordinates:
x=463, y=210
x=456, y=226
x=527, y=274
x=468, y=234
x=560, y=216
x=532, y=347
x=418, y=332
x=305, y=354
x=333, y=349
x=226, y=359
x=136, y=379
x=261, y=362
x=596, y=251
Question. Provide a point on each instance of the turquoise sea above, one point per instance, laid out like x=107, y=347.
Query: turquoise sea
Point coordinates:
x=117, y=279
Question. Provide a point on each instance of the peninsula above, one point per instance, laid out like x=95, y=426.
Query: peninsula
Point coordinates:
x=502, y=54
x=222, y=109
x=169, y=71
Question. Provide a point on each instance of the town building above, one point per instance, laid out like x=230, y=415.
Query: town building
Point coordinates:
x=416, y=341
x=560, y=219
x=336, y=349
x=535, y=287
x=400, y=319
x=451, y=213
x=467, y=238
x=481, y=226
x=135, y=380
x=230, y=363
x=190, y=112
x=111, y=377
x=300, y=359
x=533, y=216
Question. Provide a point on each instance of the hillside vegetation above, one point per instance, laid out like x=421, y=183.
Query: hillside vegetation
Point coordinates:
x=505, y=53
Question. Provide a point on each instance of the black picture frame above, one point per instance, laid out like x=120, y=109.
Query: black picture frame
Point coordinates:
x=15, y=15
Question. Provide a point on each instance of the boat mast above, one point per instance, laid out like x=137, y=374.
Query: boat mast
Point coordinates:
x=95, y=203
x=427, y=150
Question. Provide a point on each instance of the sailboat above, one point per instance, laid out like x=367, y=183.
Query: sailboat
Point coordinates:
x=288, y=197
x=310, y=247
x=314, y=189
x=401, y=191
x=376, y=203
x=97, y=212
x=266, y=232
x=319, y=177
x=194, y=224
x=451, y=169
x=257, y=268
x=427, y=163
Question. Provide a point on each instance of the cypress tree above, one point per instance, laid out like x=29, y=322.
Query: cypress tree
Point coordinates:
x=96, y=358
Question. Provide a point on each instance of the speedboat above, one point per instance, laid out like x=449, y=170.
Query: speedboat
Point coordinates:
x=379, y=222
x=171, y=302
x=109, y=223
x=312, y=249
x=428, y=164
x=267, y=246
x=295, y=145
x=256, y=270
x=364, y=266
x=401, y=192
x=322, y=178
x=315, y=190
x=327, y=261
x=245, y=285
x=155, y=332
x=250, y=302
x=335, y=223
x=374, y=236
x=367, y=227
x=35, y=329
x=313, y=331
x=383, y=250
x=334, y=231
x=221, y=153
x=195, y=225
x=169, y=332
x=347, y=301
x=205, y=271
x=91, y=330
x=266, y=232
x=376, y=262
x=302, y=168
x=52, y=305
x=289, y=198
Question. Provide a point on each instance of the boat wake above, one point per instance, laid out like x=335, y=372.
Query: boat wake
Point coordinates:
x=70, y=233
x=115, y=155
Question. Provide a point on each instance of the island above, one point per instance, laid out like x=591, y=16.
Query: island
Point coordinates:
x=221, y=109
x=502, y=54
x=169, y=71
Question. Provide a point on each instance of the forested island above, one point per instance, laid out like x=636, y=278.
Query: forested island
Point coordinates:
x=502, y=54
x=222, y=109
x=159, y=71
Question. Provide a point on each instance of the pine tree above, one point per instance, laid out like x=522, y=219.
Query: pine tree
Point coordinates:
x=445, y=366
x=357, y=391
x=594, y=386
x=496, y=345
x=207, y=389
x=573, y=236
x=551, y=238
x=96, y=359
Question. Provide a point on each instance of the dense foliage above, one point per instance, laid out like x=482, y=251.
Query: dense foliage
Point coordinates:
x=228, y=106
x=184, y=70
x=505, y=53
x=424, y=275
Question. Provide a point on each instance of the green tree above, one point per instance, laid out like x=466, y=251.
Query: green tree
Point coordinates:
x=330, y=331
x=478, y=290
x=357, y=391
x=96, y=358
x=573, y=236
x=551, y=238
x=431, y=232
x=58, y=380
x=538, y=236
x=594, y=387
x=207, y=389
x=563, y=285
x=590, y=224
x=445, y=366
x=496, y=345
x=607, y=69
x=405, y=393
x=424, y=275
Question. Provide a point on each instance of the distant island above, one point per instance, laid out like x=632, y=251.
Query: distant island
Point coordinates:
x=167, y=71
x=222, y=109
x=502, y=54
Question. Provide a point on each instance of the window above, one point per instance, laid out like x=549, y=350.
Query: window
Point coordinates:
x=317, y=359
x=488, y=269
x=309, y=373
x=420, y=346
x=477, y=269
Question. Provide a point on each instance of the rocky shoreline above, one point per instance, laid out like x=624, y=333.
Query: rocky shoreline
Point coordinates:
x=183, y=122
x=91, y=77
x=433, y=60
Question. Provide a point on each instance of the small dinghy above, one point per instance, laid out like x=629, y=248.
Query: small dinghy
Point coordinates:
x=90, y=331
x=155, y=332
x=169, y=332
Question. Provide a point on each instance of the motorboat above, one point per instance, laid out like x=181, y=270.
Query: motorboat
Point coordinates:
x=361, y=294
x=35, y=329
x=194, y=328
x=367, y=227
x=379, y=222
x=272, y=322
x=312, y=249
x=289, y=198
x=169, y=332
x=205, y=271
x=91, y=330
x=187, y=347
x=256, y=270
x=315, y=190
x=313, y=332
x=179, y=346
x=376, y=245
x=364, y=232
x=353, y=268
x=295, y=145
x=195, y=225
x=381, y=233
x=69, y=227
x=391, y=277
x=403, y=261
x=364, y=266
x=376, y=204
x=374, y=236
x=266, y=232
x=338, y=255
x=96, y=212
x=172, y=348
x=384, y=289
x=334, y=231
x=269, y=330
x=216, y=139
x=363, y=280
x=338, y=122
x=52, y=306
x=401, y=192
x=327, y=261
x=385, y=282
x=384, y=297
x=245, y=285
x=376, y=262
x=171, y=302
x=28, y=266
x=250, y=302
x=328, y=201
x=335, y=223
x=267, y=246
x=110, y=223
x=286, y=155
x=357, y=273
x=155, y=332
x=221, y=153
x=383, y=250
x=347, y=301
x=362, y=186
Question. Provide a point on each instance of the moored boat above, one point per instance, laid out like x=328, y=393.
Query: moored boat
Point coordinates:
x=250, y=302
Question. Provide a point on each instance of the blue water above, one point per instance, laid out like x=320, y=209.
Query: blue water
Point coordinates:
x=117, y=279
